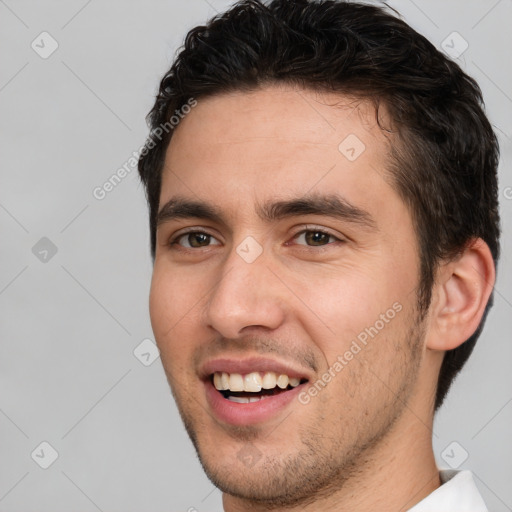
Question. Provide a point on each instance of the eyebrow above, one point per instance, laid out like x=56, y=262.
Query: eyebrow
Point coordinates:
x=332, y=205
x=182, y=208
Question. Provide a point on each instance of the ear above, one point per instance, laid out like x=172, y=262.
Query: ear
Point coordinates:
x=460, y=295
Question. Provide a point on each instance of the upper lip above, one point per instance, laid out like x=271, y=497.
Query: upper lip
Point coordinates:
x=253, y=364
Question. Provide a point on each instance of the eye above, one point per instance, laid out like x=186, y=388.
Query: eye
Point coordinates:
x=194, y=240
x=315, y=238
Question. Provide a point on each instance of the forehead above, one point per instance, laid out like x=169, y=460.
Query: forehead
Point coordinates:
x=277, y=141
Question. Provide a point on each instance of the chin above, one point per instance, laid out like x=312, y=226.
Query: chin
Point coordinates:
x=269, y=475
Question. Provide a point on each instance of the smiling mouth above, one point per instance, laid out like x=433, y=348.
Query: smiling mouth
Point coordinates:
x=254, y=386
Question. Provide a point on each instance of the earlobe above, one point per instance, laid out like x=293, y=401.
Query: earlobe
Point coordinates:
x=462, y=290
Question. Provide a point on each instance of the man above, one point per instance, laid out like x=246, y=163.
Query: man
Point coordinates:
x=324, y=225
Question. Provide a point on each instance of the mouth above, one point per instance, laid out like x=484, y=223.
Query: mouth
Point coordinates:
x=251, y=391
x=253, y=387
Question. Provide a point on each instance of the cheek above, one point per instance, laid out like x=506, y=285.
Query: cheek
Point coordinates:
x=351, y=305
x=160, y=304
x=172, y=308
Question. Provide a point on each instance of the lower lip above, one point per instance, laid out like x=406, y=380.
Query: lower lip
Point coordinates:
x=251, y=413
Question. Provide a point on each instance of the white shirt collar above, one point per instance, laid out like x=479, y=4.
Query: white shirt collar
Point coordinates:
x=458, y=492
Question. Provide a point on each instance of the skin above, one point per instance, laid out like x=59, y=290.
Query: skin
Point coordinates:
x=364, y=442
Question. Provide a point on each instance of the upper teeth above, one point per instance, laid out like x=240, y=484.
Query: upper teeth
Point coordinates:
x=252, y=382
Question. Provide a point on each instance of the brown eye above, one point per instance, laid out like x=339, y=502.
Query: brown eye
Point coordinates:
x=195, y=240
x=315, y=238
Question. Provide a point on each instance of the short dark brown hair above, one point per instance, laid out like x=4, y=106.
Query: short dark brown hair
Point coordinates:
x=445, y=166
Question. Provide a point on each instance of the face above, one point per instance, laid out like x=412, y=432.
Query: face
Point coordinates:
x=283, y=298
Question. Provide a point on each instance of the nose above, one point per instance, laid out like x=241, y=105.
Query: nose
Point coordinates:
x=248, y=295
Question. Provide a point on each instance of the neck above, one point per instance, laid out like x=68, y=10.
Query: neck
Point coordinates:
x=398, y=473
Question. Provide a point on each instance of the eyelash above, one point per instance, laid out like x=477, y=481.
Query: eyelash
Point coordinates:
x=316, y=230
x=175, y=240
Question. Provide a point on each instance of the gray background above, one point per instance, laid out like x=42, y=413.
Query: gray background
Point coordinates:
x=70, y=321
